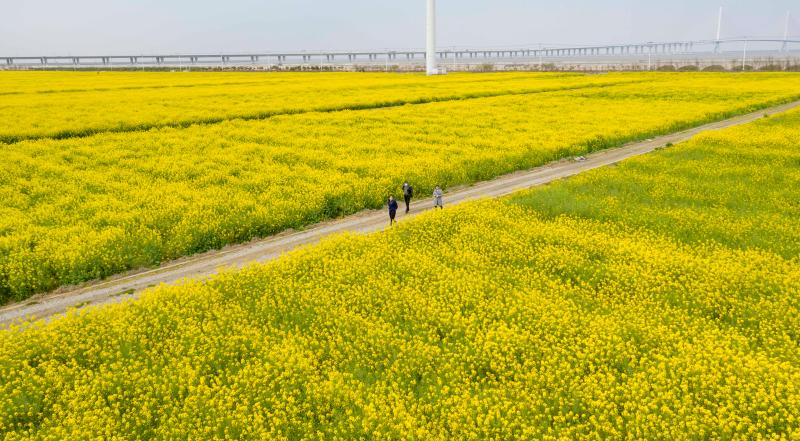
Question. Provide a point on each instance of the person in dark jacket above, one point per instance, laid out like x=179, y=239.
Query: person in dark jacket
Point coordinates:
x=408, y=193
x=392, y=209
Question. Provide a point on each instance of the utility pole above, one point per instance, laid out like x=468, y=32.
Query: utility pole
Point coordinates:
x=541, y=61
x=744, y=55
x=719, y=30
x=430, y=61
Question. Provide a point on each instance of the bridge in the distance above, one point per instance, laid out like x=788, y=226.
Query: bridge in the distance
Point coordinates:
x=677, y=48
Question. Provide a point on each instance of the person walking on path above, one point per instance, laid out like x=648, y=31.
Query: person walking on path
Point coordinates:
x=408, y=193
x=392, y=210
x=437, y=198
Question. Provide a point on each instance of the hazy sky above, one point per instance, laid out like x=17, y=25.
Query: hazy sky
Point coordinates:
x=68, y=27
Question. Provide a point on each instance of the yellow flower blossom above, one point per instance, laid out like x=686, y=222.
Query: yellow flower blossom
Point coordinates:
x=522, y=318
x=77, y=209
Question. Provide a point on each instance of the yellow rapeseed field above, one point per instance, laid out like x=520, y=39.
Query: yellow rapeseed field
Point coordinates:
x=87, y=207
x=567, y=312
x=46, y=104
x=58, y=104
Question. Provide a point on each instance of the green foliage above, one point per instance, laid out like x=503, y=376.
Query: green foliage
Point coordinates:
x=738, y=188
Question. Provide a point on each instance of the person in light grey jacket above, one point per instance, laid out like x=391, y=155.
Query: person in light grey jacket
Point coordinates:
x=437, y=198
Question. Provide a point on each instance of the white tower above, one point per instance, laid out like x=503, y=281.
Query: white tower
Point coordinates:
x=719, y=30
x=786, y=32
x=430, y=53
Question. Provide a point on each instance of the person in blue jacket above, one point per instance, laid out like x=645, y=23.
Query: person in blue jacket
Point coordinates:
x=392, y=209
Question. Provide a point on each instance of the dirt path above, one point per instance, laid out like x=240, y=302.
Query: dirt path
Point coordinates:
x=203, y=265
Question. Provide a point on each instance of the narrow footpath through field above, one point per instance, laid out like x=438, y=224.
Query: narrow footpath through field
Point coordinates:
x=204, y=265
